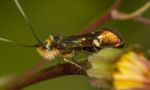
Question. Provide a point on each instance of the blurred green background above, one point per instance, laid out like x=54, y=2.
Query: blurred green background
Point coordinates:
x=67, y=17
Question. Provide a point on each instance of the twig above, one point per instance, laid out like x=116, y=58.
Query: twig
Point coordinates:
x=104, y=18
x=51, y=72
x=113, y=13
x=35, y=68
x=142, y=20
x=117, y=15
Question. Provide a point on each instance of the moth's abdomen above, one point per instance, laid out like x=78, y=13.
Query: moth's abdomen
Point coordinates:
x=107, y=39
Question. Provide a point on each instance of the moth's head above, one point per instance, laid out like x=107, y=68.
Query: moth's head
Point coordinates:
x=111, y=38
x=46, y=49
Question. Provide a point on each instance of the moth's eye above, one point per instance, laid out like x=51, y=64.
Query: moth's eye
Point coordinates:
x=47, y=46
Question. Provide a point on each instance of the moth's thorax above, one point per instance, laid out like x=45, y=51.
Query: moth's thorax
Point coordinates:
x=48, y=54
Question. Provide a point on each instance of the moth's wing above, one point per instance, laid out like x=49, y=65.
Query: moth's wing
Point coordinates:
x=80, y=42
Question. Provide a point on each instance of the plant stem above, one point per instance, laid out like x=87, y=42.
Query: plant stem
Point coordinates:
x=51, y=72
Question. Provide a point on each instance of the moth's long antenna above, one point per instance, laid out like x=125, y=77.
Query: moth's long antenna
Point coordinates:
x=11, y=41
x=27, y=20
x=6, y=40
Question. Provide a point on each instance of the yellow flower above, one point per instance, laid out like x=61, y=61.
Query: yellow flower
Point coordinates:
x=133, y=72
x=113, y=69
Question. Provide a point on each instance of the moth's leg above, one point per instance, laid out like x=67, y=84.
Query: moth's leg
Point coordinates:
x=81, y=48
x=71, y=55
x=73, y=63
x=95, y=49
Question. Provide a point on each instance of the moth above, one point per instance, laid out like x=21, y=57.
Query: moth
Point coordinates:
x=69, y=46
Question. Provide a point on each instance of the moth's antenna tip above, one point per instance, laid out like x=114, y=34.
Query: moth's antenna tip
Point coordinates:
x=20, y=44
x=6, y=40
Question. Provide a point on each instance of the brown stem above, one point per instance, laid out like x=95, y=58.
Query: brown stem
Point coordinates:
x=36, y=67
x=142, y=20
x=52, y=72
x=135, y=15
x=102, y=19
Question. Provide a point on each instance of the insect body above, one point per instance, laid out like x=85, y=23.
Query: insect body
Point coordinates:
x=68, y=46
